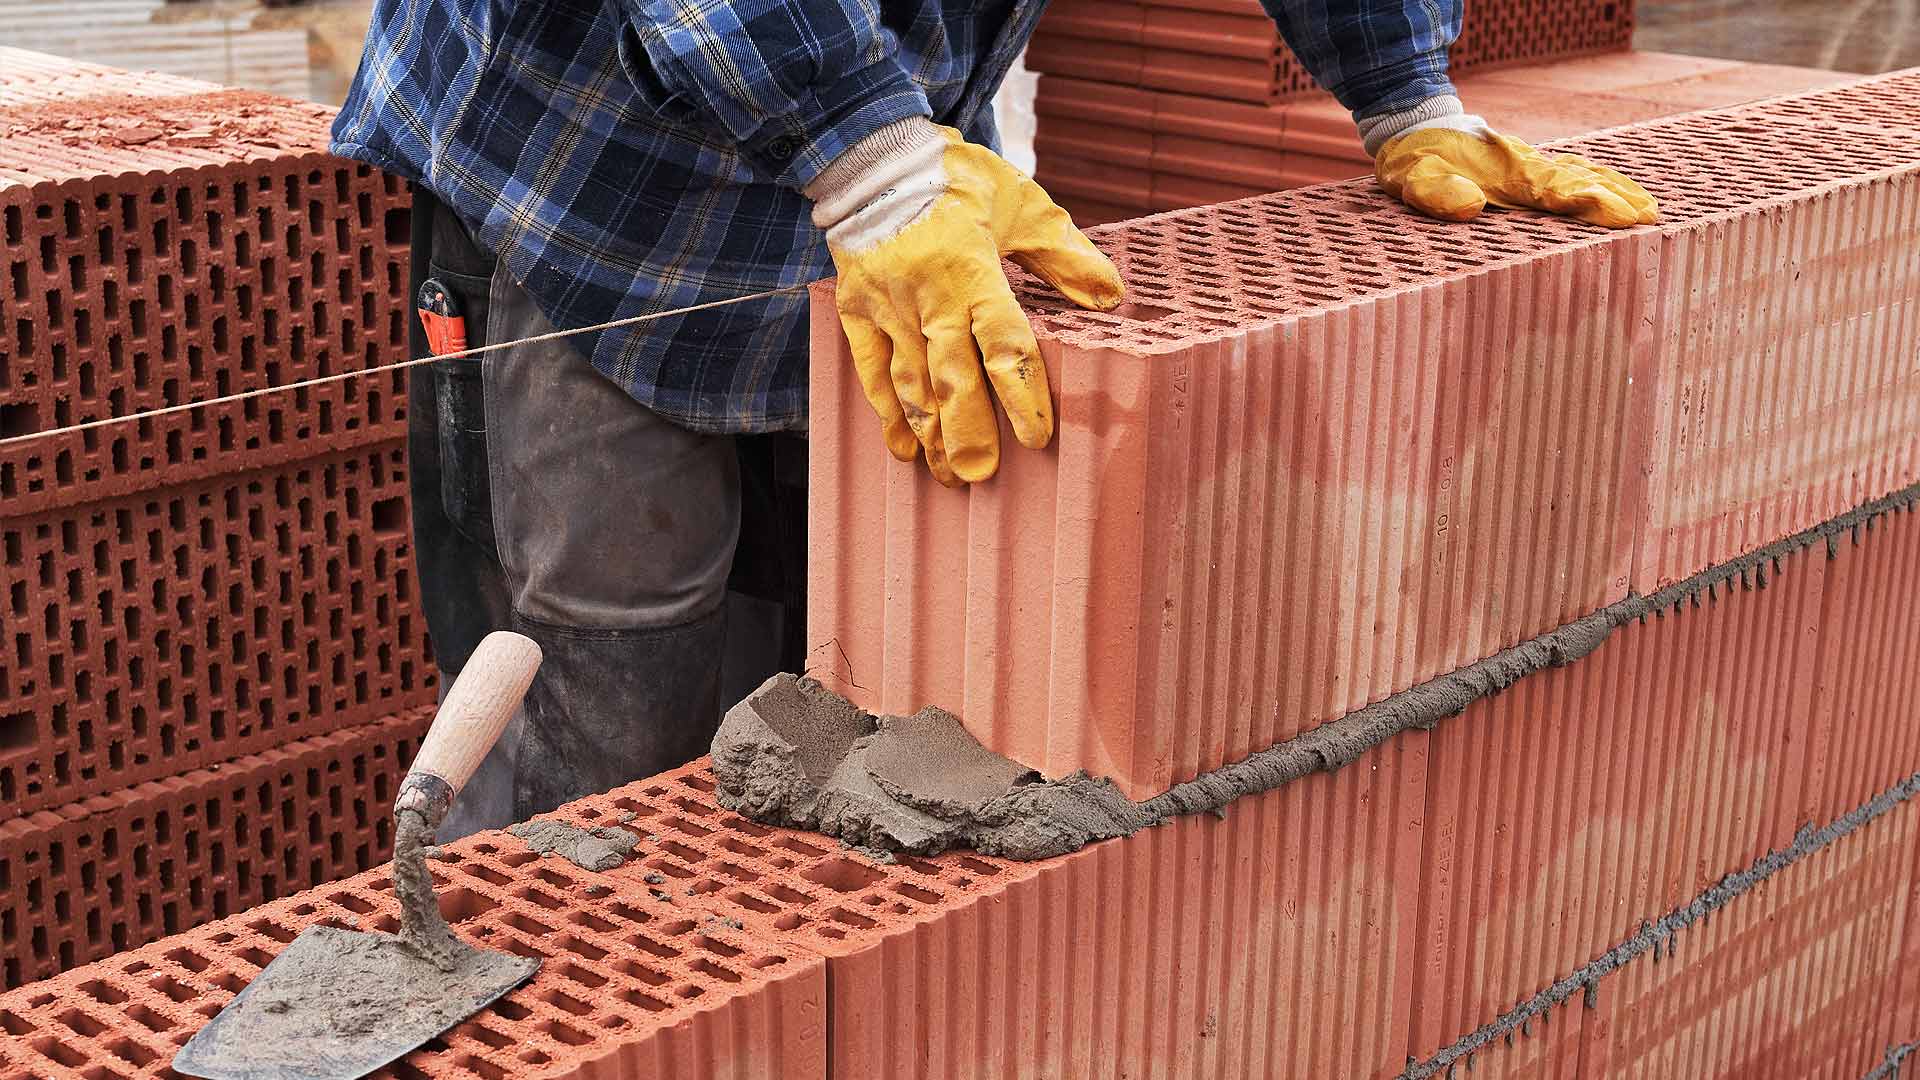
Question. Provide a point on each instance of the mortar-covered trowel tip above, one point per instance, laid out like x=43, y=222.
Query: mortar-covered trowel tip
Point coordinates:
x=337, y=1004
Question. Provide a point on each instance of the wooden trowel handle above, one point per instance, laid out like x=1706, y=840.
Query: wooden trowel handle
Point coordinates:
x=478, y=706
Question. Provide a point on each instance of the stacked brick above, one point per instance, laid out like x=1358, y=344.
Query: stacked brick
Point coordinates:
x=211, y=607
x=1367, y=922
x=1162, y=106
x=1693, y=851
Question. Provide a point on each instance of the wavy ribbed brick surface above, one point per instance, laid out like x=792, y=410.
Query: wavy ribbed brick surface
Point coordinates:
x=164, y=630
x=1229, y=49
x=162, y=249
x=1565, y=811
x=1790, y=981
x=1333, y=449
x=1112, y=152
x=113, y=871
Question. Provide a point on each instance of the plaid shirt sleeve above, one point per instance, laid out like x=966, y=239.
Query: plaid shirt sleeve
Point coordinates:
x=1376, y=56
x=791, y=83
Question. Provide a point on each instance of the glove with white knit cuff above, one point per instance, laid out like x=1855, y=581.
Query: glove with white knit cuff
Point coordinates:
x=1447, y=163
x=918, y=219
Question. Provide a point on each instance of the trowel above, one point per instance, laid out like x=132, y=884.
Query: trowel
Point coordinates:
x=337, y=1004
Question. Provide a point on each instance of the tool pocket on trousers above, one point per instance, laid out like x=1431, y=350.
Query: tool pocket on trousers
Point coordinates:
x=465, y=493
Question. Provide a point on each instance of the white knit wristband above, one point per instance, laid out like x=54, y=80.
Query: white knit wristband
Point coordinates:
x=1439, y=111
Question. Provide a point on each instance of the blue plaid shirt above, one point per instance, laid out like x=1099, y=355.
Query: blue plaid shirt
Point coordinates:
x=631, y=156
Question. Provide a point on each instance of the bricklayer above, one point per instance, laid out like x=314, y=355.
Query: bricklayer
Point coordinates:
x=1143, y=151
x=112, y=872
x=1231, y=50
x=164, y=630
x=158, y=250
x=1332, y=449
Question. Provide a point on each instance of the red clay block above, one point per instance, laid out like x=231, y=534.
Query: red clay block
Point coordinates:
x=1074, y=180
x=1230, y=49
x=1221, y=523
x=1269, y=943
x=1567, y=810
x=1166, y=626
x=164, y=630
x=1859, y=737
x=968, y=966
x=115, y=871
x=1780, y=393
x=636, y=980
x=164, y=249
x=1786, y=981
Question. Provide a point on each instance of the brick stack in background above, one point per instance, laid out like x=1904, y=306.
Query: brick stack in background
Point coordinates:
x=1164, y=105
x=211, y=664
x=1702, y=838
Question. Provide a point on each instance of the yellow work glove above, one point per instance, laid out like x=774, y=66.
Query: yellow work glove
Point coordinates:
x=1450, y=165
x=918, y=220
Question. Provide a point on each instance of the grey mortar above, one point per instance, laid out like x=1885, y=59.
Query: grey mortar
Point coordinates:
x=1665, y=930
x=795, y=753
x=1889, y=1067
x=600, y=848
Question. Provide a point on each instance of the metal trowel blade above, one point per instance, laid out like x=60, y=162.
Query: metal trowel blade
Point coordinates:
x=337, y=1004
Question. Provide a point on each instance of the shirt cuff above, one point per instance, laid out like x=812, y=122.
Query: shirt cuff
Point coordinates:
x=832, y=120
x=1397, y=87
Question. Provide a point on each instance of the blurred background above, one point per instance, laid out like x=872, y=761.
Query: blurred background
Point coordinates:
x=308, y=48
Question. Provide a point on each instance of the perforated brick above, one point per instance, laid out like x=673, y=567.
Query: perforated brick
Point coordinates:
x=1131, y=151
x=1787, y=981
x=111, y=872
x=159, y=250
x=160, y=631
x=1295, y=488
x=1231, y=49
x=33, y=78
x=637, y=979
x=1333, y=448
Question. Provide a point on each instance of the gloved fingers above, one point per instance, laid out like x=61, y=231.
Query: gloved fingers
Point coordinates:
x=1433, y=185
x=872, y=362
x=1011, y=356
x=1644, y=204
x=969, y=431
x=1562, y=188
x=913, y=384
x=1044, y=240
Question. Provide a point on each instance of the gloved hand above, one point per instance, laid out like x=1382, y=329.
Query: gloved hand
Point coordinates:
x=918, y=220
x=1447, y=163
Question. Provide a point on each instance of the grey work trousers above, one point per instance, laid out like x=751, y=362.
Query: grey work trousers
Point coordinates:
x=549, y=502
